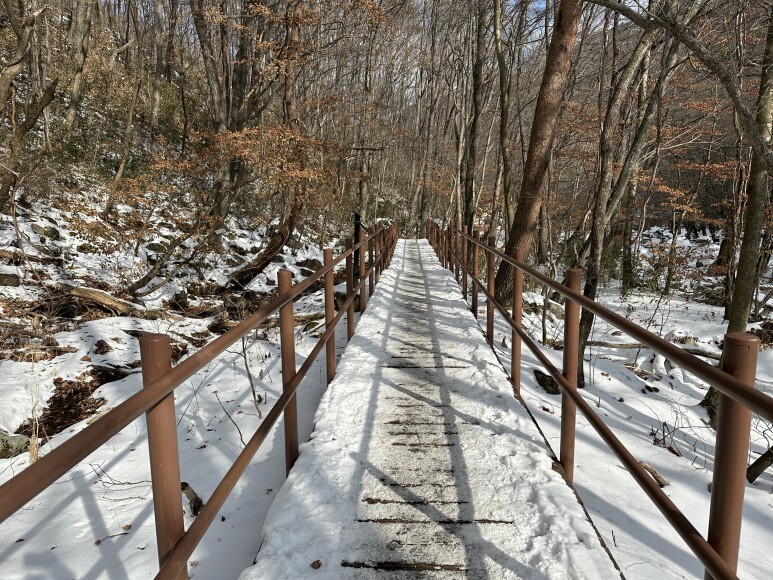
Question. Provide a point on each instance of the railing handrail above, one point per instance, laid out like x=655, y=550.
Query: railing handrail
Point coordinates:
x=719, y=553
x=38, y=476
x=184, y=548
x=726, y=384
x=673, y=514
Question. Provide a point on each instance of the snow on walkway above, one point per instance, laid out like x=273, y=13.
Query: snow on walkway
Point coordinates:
x=422, y=464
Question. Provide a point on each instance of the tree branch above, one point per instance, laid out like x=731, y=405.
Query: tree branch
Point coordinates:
x=728, y=77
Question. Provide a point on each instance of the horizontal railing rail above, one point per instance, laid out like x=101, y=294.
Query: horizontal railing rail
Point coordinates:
x=735, y=382
x=156, y=400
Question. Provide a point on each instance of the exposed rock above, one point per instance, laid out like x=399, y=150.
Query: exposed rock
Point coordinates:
x=340, y=298
x=680, y=336
x=711, y=296
x=221, y=324
x=554, y=308
x=7, y=279
x=86, y=248
x=311, y=263
x=180, y=300
x=548, y=383
x=53, y=251
x=235, y=303
x=157, y=247
x=305, y=272
x=12, y=445
x=47, y=231
x=200, y=289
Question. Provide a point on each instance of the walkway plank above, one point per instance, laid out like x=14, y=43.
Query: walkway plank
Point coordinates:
x=422, y=464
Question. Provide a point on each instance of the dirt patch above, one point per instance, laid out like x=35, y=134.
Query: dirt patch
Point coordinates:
x=32, y=354
x=22, y=345
x=71, y=402
x=102, y=347
x=765, y=332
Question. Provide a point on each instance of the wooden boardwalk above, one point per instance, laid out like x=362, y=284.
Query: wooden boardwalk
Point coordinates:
x=422, y=464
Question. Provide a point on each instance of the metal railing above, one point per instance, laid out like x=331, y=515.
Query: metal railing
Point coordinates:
x=735, y=383
x=156, y=400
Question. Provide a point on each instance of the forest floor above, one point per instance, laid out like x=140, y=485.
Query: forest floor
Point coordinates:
x=97, y=521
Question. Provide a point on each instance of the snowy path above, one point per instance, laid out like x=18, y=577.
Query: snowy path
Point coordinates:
x=422, y=464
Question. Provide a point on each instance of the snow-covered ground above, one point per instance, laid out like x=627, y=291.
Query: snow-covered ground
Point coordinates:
x=474, y=493
x=655, y=413
x=97, y=521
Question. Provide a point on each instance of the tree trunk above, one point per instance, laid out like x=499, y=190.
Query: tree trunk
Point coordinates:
x=546, y=114
x=8, y=174
x=126, y=147
x=82, y=23
x=607, y=166
x=759, y=466
x=158, y=29
x=471, y=155
x=292, y=47
x=504, y=111
x=756, y=200
x=23, y=27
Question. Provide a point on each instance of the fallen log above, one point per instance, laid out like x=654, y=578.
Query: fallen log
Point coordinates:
x=111, y=303
x=623, y=345
x=18, y=257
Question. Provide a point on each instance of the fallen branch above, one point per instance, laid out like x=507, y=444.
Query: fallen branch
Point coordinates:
x=661, y=481
x=111, y=303
x=622, y=345
x=194, y=501
x=17, y=257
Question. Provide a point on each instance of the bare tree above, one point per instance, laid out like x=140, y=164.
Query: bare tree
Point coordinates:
x=548, y=109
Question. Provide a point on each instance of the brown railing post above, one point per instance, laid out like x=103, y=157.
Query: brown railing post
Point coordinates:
x=372, y=274
x=379, y=249
x=571, y=358
x=449, y=248
x=465, y=261
x=361, y=277
x=349, y=291
x=441, y=251
x=330, y=347
x=156, y=356
x=739, y=358
x=396, y=237
x=515, y=359
x=475, y=265
x=490, y=283
x=287, y=345
x=457, y=253
x=441, y=242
